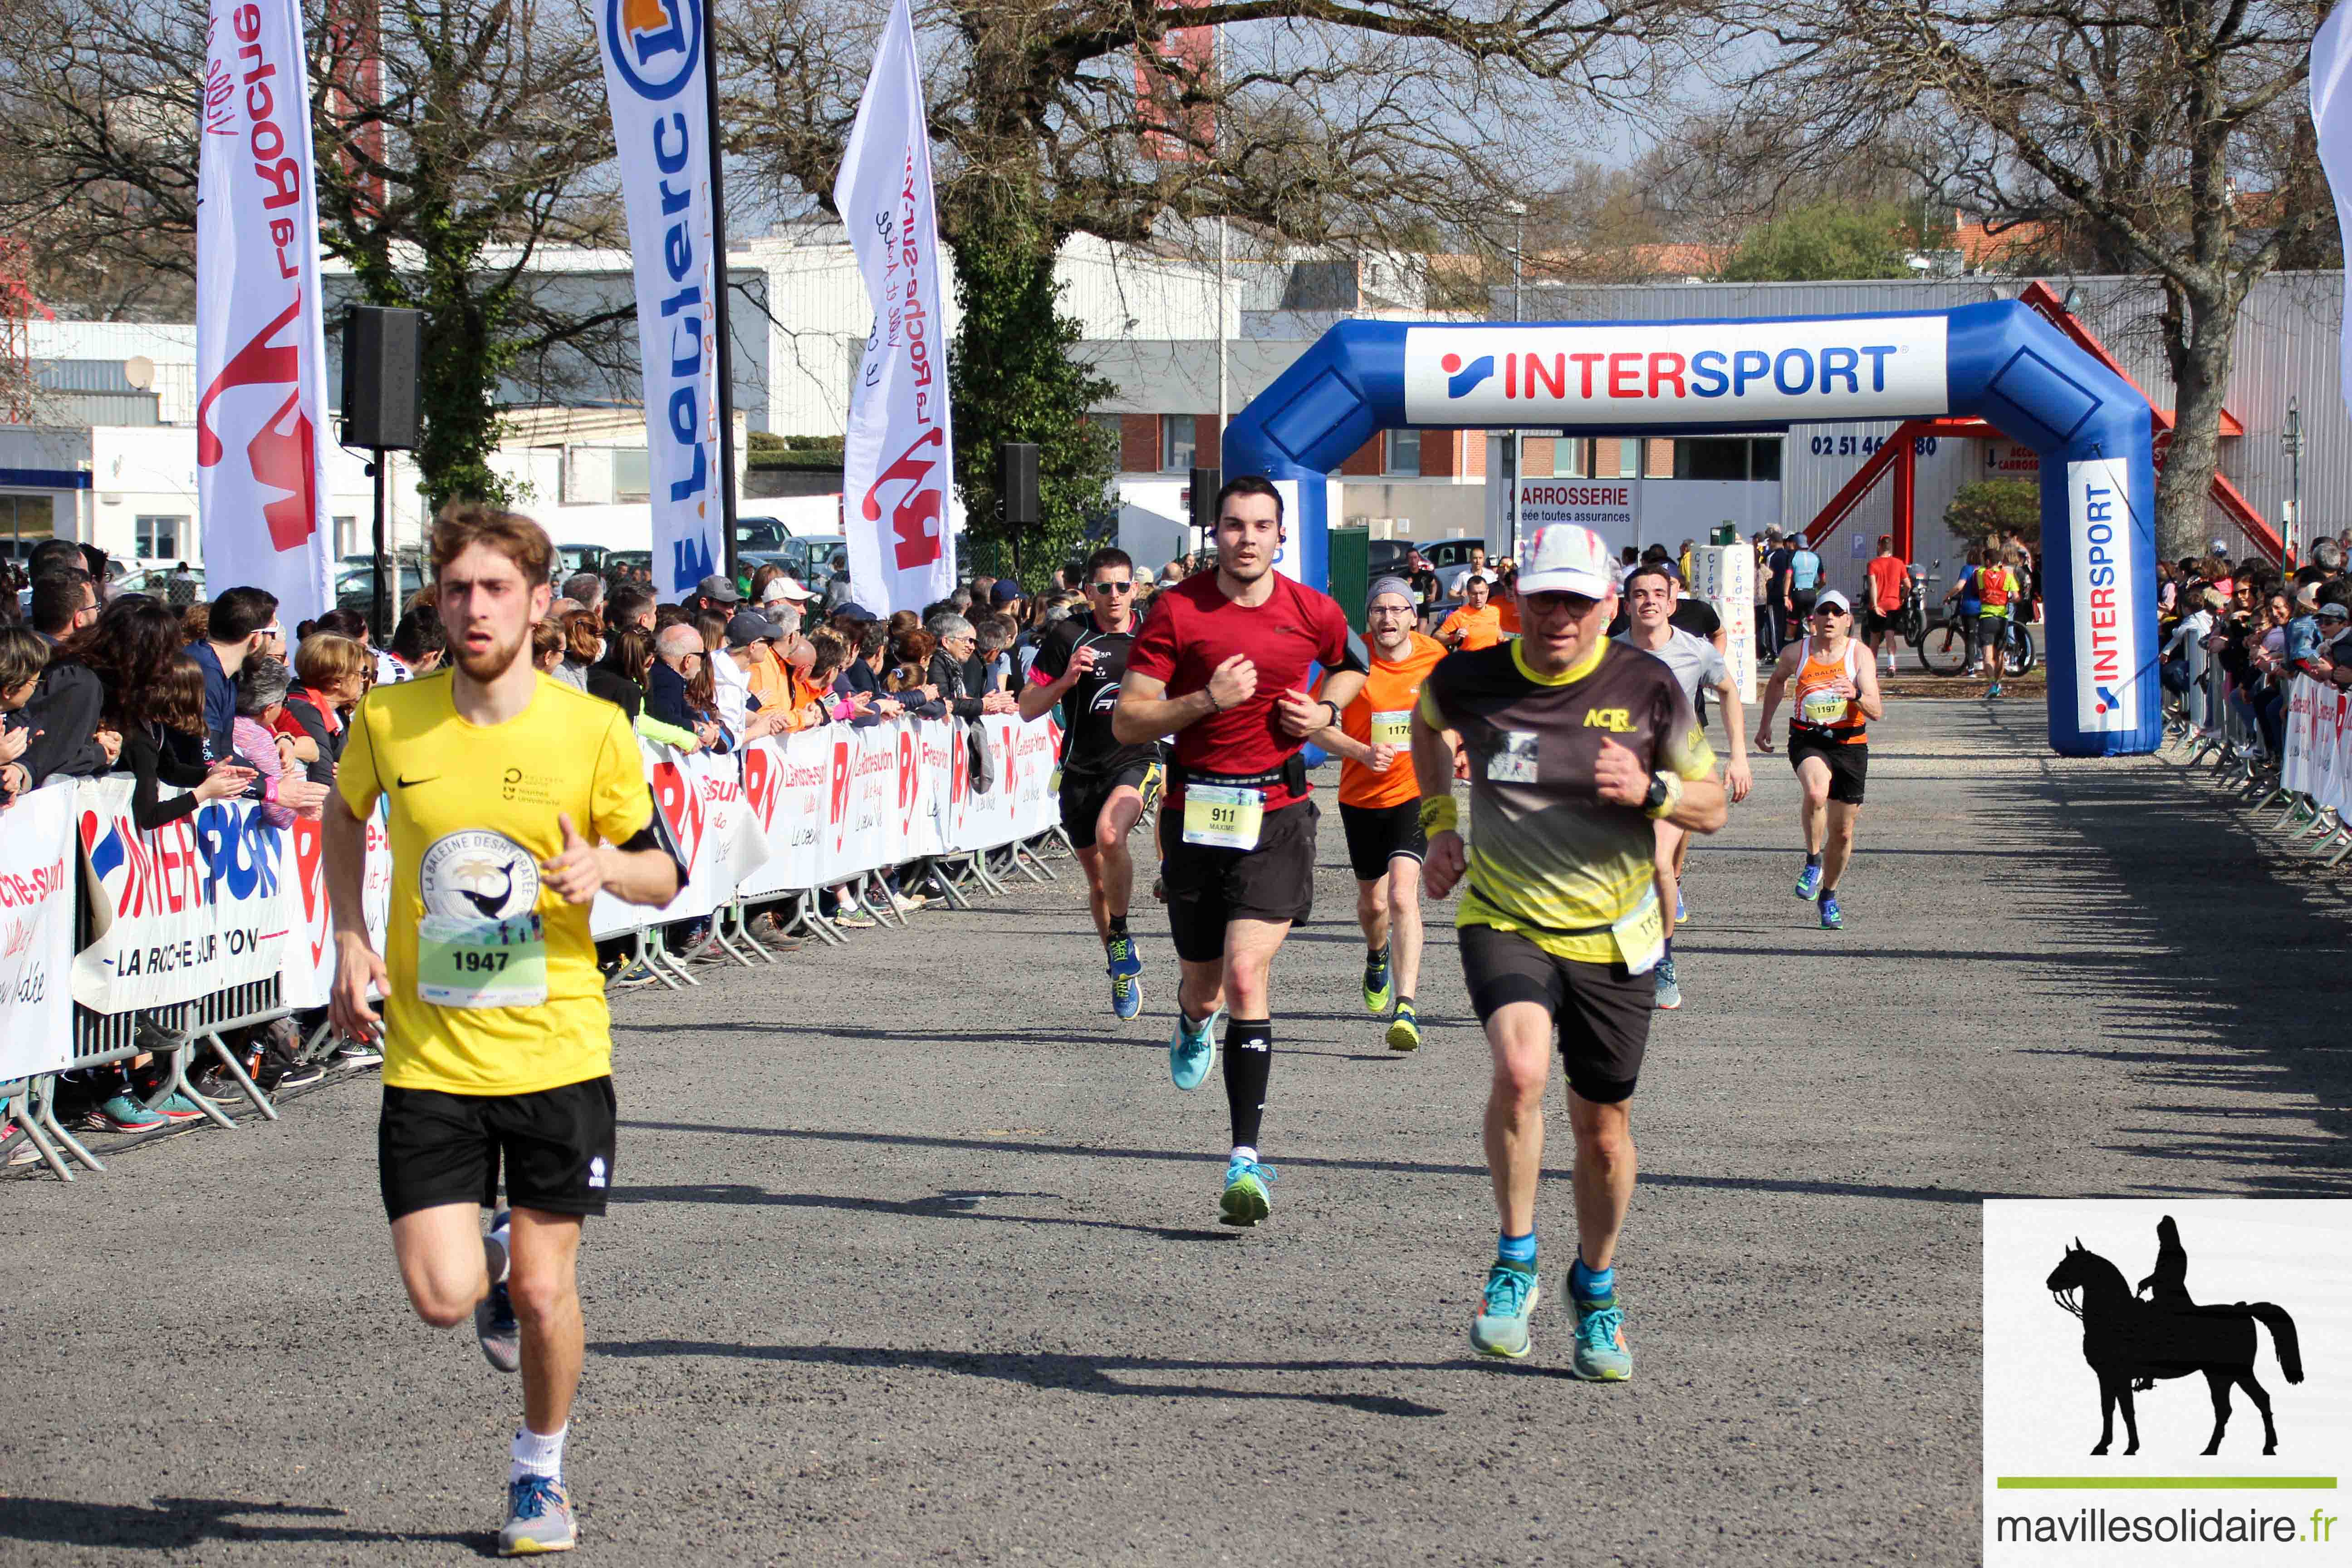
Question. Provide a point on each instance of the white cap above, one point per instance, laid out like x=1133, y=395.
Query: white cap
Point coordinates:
x=1832, y=599
x=784, y=588
x=1567, y=559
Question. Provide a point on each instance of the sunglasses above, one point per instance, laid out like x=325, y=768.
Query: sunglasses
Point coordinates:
x=1113, y=587
x=1827, y=610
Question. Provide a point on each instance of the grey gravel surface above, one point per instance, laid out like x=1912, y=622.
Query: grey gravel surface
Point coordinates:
x=913, y=1256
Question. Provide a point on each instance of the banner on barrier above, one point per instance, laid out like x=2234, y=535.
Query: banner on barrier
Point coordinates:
x=700, y=799
x=2318, y=761
x=37, y=916
x=311, y=959
x=192, y=907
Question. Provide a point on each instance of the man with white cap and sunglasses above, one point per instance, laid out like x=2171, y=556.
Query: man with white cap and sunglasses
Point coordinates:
x=1578, y=745
x=1836, y=691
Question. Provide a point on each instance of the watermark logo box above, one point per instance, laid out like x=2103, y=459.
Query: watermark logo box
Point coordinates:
x=2167, y=1380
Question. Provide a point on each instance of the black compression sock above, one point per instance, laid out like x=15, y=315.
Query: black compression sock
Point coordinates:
x=1118, y=925
x=1249, y=1062
x=1813, y=859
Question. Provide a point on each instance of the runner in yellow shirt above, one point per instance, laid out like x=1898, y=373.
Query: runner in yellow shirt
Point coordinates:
x=512, y=800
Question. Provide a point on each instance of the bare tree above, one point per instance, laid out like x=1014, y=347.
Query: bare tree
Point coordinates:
x=453, y=142
x=2164, y=136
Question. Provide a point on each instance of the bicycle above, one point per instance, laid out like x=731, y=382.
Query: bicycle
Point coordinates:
x=1945, y=647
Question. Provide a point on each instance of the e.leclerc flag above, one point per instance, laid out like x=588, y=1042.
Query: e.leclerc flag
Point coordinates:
x=654, y=53
x=261, y=356
x=2331, y=116
x=898, y=464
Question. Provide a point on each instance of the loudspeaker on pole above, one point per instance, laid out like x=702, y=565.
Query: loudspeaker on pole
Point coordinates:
x=1016, y=480
x=382, y=403
x=1206, y=483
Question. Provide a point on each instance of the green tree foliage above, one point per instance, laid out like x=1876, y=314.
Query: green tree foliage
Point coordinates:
x=2009, y=506
x=1013, y=377
x=1827, y=239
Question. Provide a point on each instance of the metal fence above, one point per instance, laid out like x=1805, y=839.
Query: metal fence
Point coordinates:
x=2211, y=727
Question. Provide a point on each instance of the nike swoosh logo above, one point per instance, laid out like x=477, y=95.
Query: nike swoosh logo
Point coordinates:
x=406, y=784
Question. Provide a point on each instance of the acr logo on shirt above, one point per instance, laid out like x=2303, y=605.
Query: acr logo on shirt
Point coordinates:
x=1618, y=720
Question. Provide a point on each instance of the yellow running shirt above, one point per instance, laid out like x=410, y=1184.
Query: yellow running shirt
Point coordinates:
x=472, y=812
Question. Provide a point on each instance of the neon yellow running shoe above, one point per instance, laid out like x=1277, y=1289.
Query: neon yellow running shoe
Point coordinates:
x=1379, y=989
x=1404, y=1030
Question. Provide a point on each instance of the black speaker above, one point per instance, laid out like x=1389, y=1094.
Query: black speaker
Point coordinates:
x=1016, y=480
x=1206, y=483
x=383, y=405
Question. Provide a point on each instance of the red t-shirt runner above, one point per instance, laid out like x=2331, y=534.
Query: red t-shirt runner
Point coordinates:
x=1194, y=627
x=1889, y=574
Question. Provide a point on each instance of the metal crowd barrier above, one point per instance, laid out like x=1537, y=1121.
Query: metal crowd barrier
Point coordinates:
x=2212, y=729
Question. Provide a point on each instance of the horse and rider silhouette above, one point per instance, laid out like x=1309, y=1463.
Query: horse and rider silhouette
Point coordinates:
x=2132, y=1343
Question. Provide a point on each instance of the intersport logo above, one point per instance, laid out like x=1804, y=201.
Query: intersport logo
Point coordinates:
x=1670, y=373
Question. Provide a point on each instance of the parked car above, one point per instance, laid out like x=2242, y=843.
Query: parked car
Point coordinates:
x=796, y=555
x=1388, y=556
x=176, y=588
x=760, y=534
x=570, y=558
x=1451, y=557
x=355, y=588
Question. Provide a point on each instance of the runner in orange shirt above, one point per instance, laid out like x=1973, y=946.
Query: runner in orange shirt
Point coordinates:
x=1474, y=624
x=1379, y=805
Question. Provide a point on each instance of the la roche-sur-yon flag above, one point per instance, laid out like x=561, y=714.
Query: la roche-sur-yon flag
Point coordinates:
x=261, y=353
x=899, y=459
x=654, y=53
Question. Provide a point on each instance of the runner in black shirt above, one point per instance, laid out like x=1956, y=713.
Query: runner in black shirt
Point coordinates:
x=1080, y=665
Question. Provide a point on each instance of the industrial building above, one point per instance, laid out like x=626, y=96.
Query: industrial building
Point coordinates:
x=109, y=454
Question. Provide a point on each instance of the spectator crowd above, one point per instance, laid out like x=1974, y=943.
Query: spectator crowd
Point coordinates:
x=2235, y=634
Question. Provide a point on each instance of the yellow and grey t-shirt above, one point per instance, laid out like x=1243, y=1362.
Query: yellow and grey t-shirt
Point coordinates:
x=1548, y=858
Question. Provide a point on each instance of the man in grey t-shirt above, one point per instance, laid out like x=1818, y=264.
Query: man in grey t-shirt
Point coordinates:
x=1695, y=662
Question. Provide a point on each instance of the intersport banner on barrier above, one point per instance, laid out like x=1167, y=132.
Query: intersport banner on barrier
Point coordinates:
x=656, y=52
x=261, y=353
x=36, y=920
x=181, y=910
x=2318, y=760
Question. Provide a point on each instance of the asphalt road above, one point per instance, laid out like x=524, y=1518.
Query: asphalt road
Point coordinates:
x=913, y=1256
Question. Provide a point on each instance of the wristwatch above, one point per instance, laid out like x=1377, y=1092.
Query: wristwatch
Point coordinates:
x=1660, y=798
x=1334, y=707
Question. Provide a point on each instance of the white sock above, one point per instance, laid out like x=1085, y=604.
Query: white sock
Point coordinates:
x=497, y=1254
x=538, y=1455
x=1243, y=1151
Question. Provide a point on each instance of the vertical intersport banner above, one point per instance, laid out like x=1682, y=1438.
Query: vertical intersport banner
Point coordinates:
x=656, y=52
x=199, y=904
x=2107, y=655
x=261, y=475
x=900, y=460
x=37, y=932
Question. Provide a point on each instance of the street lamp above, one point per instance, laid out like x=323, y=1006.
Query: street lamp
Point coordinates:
x=1518, y=212
x=2291, y=443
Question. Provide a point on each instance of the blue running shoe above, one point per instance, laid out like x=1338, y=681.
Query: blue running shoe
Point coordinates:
x=1601, y=1353
x=1192, y=1049
x=1808, y=882
x=1669, y=993
x=123, y=1113
x=1378, y=989
x=1246, y=1195
x=1500, y=1326
x=1832, y=918
x=538, y=1519
x=1682, y=911
x=1125, y=983
x=176, y=1108
x=494, y=1318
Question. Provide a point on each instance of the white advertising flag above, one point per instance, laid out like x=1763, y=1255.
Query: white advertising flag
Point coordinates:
x=2331, y=116
x=900, y=461
x=654, y=53
x=261, y=477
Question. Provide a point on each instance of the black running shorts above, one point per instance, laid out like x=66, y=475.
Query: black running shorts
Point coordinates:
x=1874, y=624
x=1600, y=1015
x=1083, y=795
x=1848, y=764
x=1379, y=834
x=557, y=1146
x=1207, y=888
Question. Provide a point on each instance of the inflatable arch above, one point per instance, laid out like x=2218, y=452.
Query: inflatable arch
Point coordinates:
x=1998, y=361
